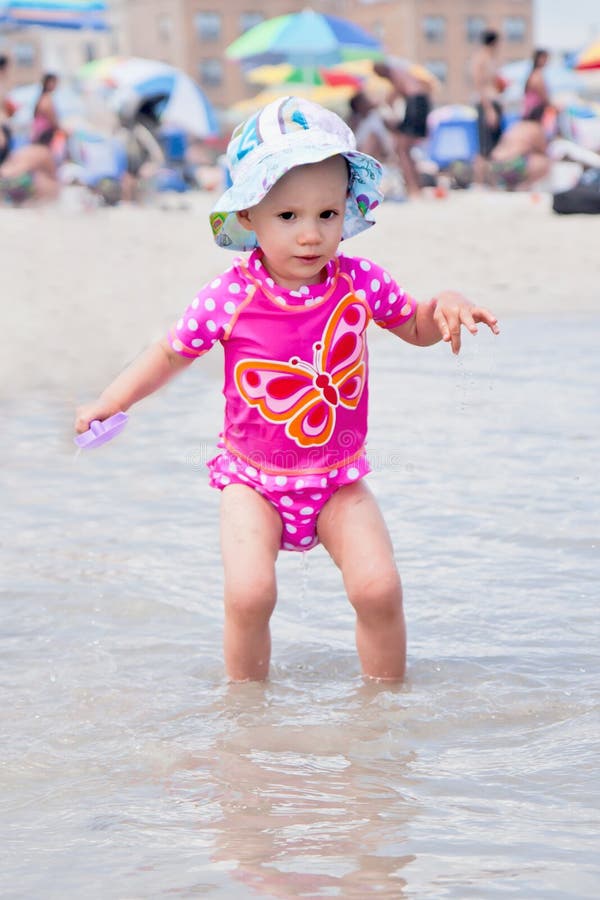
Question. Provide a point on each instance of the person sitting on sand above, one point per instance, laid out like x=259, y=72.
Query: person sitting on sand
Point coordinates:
x=143, y=152
x=371, y=133
x=29, y=174
x=375, y=138
x=520, y=158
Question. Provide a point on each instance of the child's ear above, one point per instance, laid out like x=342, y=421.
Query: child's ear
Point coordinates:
x=243, y=217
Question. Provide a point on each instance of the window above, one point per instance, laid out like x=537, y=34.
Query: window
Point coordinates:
x=208, y=26
x=24, y=54
x=475, y=28
x=249, y=20
x=434, y=29
x=515, y=29
x=165, y=28
x=211, y=72
x=439, y=68
x=377, y=29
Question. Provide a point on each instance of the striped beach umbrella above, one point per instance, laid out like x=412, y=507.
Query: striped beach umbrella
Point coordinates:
x=306, y=39
x=284, y=73
x=71, y=14
x=333, y=97
x=178, y=100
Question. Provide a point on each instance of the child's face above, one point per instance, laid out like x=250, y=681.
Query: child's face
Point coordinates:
x=299, y=223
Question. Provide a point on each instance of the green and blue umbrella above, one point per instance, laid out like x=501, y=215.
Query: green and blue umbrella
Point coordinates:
x=306, y=39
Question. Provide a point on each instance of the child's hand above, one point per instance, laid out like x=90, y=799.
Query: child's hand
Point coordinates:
x=452, y=310
x=100, y=410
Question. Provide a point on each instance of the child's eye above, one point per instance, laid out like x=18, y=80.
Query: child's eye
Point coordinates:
x=328, y=214
x=286, y=216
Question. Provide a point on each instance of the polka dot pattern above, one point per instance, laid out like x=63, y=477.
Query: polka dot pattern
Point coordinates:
x=205, y=319
x=390, y=305
x=299, y=507
x=209, y=314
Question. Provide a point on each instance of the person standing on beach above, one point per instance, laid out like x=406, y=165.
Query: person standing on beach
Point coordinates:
x=536, y=89
x=6, y=108
x=45, y=117
x=488, y=86
x=416, y=93
x=292, y=320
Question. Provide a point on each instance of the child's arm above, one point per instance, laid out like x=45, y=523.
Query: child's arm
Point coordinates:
x=441, y=320
x=146, y=374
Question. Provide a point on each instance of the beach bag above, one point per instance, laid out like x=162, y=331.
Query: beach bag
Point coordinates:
x=584, y=198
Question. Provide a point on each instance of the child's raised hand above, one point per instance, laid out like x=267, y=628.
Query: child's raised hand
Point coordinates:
x=452, y=311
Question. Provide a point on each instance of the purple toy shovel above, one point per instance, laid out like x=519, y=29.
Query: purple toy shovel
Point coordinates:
x=101, y=432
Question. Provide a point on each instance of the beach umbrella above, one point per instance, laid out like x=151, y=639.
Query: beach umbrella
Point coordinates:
x=284, y=73
x=71, y=14
x=170, y=94
x=306, y=39
x=333, y=97
x=98, y=71
x=589, y=57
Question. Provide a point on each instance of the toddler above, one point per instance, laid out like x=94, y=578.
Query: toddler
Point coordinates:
x=292, y=319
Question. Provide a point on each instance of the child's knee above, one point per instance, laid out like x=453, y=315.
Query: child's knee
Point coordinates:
x=377, y=597
x=250, y=601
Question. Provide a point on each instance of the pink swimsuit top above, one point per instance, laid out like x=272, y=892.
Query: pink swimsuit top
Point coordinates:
x=296, y=392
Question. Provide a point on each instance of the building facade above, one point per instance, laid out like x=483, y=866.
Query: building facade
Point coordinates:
x=34, y=51
x=194, y=34
x=441, y=34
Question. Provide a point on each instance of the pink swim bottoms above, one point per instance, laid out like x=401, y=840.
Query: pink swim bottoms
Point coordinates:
x=297, y=498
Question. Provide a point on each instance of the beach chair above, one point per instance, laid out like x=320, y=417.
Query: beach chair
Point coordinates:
x=99, y=157
x=453, y=141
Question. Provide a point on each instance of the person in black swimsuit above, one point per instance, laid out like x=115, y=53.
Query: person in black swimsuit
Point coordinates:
x=413, y=128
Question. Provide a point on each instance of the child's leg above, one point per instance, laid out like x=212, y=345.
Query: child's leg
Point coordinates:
x=250, y=538
x=352, y=530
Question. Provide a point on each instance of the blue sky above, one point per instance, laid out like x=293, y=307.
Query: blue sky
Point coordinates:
x=566, y=24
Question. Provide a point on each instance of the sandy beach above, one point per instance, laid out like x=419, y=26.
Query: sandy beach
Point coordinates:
x=86, y=291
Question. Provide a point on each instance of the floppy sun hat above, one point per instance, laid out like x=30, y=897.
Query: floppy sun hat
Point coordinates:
x=286, y=133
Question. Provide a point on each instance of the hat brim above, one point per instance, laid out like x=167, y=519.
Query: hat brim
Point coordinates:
x=363, y=193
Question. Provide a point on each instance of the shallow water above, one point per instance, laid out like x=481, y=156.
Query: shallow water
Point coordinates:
x=132, y=770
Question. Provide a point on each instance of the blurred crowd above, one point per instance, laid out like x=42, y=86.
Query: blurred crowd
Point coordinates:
x=485, y=144
x=132, y=157
x=122, y=155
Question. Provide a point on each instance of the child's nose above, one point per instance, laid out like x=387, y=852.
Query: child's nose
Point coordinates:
x=310, y=233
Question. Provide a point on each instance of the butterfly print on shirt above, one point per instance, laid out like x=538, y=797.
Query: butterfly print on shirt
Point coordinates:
x=304, y=396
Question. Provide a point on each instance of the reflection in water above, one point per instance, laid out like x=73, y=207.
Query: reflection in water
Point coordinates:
x=311, y=809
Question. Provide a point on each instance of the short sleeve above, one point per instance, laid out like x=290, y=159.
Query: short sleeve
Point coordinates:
x=206, y=319
x=389, y=303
